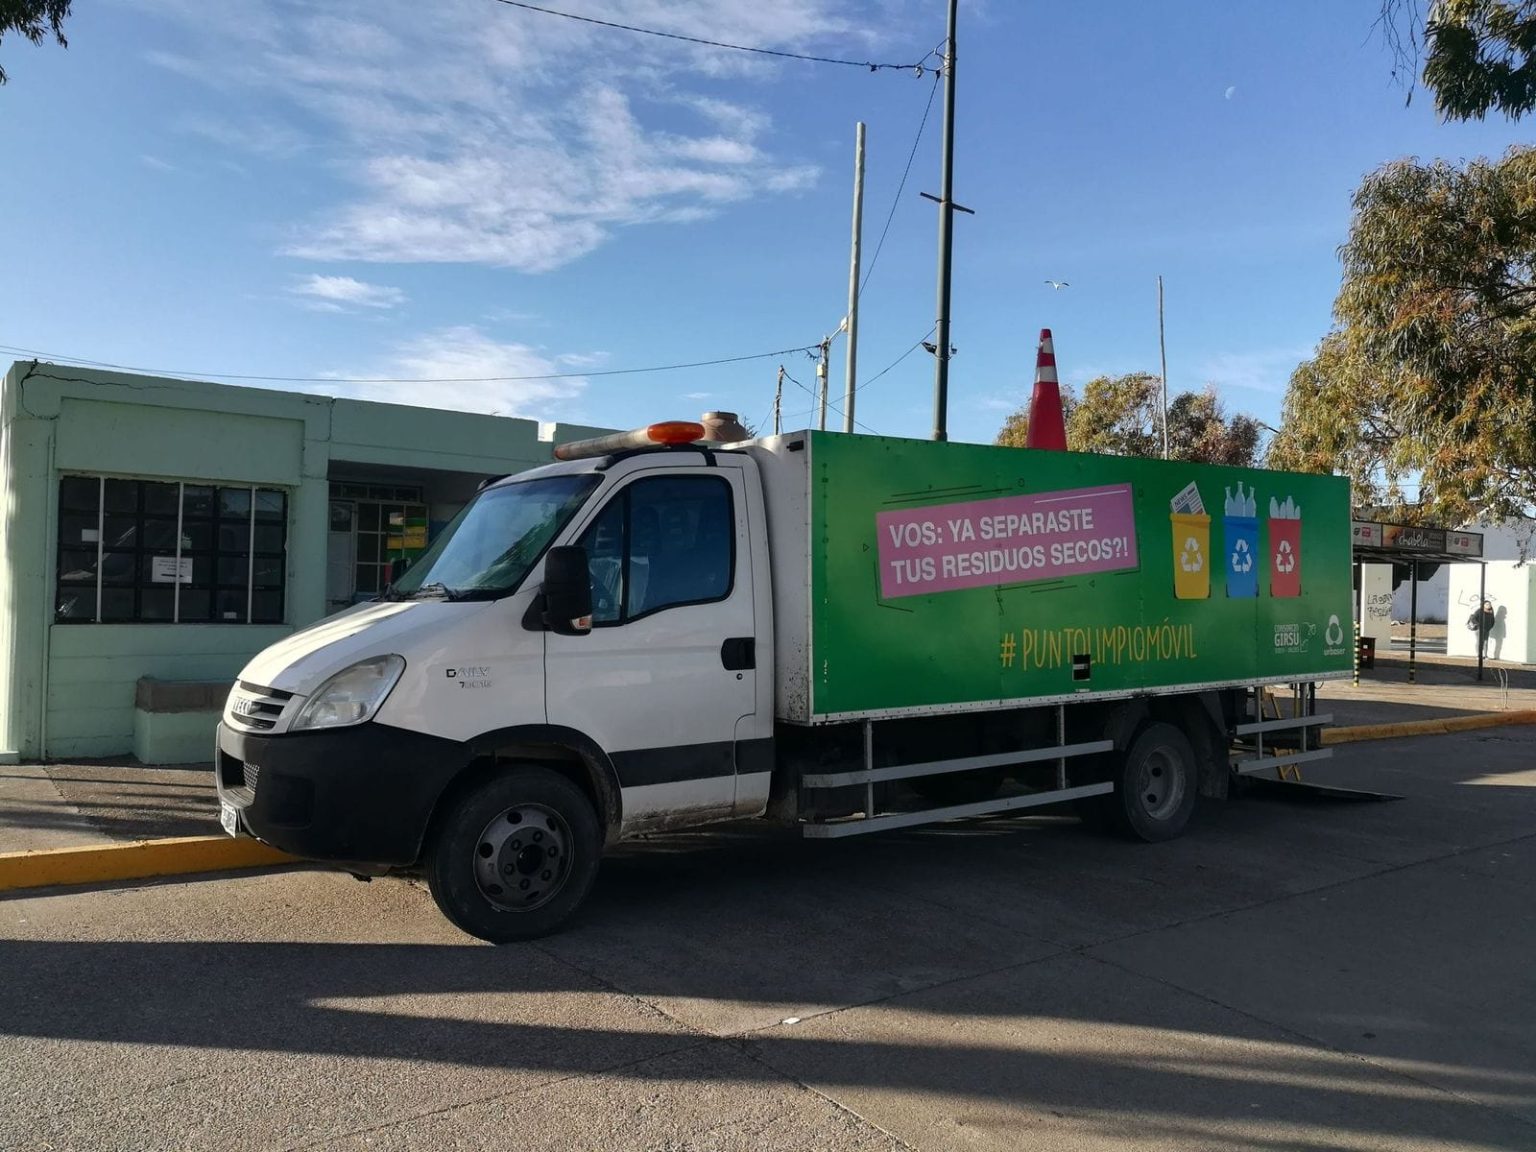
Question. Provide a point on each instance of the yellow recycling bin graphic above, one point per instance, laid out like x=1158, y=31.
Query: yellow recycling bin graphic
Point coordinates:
x=1191, y=555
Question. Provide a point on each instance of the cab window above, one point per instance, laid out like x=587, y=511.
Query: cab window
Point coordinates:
x=661, y=543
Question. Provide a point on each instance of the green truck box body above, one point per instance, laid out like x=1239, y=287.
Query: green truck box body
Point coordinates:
x=959, y=575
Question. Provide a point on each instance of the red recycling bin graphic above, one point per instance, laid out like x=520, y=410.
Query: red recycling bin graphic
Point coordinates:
x=1284, y=557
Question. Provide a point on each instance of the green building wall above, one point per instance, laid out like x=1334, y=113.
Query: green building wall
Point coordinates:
x=67, y=690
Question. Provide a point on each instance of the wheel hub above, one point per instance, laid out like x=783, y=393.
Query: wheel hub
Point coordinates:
x=523, y=859
x=1160, y=785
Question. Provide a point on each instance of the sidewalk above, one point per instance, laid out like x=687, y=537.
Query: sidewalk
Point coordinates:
x=103, y=802
x=1443, y=686
x=116, y=801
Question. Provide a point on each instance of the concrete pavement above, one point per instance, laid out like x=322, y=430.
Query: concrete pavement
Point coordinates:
x=1298, y=974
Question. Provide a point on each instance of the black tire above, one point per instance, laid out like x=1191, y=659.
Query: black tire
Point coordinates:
x=1157, y=785
x=514, y=856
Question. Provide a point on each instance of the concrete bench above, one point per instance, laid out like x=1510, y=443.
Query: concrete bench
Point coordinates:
x=174, y=720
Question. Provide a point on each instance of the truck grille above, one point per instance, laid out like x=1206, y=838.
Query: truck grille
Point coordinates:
x=253, y=708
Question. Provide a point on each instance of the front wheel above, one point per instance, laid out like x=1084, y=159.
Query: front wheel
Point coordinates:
x=1156, y=785
x=515, y=856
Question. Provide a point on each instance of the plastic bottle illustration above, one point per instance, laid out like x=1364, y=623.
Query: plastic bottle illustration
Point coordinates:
x=1284, y=547
x=1240, y=537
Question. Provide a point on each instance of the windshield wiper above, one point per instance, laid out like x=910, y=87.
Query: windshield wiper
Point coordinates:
x=434, y=592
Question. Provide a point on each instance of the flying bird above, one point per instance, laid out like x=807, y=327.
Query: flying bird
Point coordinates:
x=1058, y=284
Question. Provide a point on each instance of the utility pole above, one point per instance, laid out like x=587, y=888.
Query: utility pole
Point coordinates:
x=778, y=403
x=821, y=379
x=1162, y=350
x=850, y=385
x=947, y=208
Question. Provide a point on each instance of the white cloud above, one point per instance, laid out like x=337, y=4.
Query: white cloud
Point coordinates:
x=495, y=136
x=463, y=369
x=697, y=395
x=337, y=293
x=1230, y=92
x=1261, y=370
x=1000, y=403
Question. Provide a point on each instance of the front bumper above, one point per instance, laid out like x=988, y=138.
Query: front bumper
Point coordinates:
x=360, y=795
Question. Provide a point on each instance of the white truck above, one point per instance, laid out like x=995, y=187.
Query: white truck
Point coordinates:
x=848, y=633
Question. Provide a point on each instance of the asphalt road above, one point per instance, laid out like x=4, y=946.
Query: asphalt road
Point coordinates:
x=1299, y=974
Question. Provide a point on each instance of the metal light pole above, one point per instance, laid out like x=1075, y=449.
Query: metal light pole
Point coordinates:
x=850, y=385
x=946, y=246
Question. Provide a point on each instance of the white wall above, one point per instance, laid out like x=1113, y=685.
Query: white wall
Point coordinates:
x=1375, y=608
x=1511, y=588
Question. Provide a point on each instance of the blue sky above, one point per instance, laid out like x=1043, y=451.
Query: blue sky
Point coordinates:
x=343, y=190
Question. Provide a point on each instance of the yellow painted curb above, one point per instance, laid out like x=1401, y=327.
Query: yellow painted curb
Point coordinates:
x=139, y=860
x=1428, y=727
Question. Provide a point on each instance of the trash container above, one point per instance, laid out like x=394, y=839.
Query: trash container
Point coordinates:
x=1366, y=651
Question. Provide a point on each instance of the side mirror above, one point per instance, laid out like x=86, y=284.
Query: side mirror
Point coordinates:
x=567, y=592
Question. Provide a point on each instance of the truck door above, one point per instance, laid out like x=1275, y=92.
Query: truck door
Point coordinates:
x=668, y=670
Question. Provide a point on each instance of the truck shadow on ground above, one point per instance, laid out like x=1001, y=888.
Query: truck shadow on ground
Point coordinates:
x=1129, y=1055
x=1008, y=964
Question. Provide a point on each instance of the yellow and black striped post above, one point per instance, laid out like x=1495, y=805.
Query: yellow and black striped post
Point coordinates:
x=1357, y=653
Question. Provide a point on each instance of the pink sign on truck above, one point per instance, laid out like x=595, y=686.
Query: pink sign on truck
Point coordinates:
x=1006, y=540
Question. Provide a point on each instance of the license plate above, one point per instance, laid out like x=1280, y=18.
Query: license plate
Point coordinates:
x=229, y=816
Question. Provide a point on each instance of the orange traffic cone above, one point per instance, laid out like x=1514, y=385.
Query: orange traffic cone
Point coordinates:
x=1047, y=428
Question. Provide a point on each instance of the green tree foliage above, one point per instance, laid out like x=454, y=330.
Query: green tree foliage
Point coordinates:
x=34, y=19
x=1479, y=55
x=1432, y=370
x=1119, y=416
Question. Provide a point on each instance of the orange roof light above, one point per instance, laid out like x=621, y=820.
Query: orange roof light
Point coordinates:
x=675, y=432
x=666, y=433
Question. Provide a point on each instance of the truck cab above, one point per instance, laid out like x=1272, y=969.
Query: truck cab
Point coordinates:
x=366, y=738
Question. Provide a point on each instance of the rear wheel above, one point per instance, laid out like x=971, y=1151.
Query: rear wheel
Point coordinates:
x=515, y=856
x=1156, y=785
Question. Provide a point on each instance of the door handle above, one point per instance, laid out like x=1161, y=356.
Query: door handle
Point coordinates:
x=739, y=653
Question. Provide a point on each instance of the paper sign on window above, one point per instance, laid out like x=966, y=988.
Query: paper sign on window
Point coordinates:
x=170, y=570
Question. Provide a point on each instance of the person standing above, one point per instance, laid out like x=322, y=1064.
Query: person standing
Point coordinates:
x=1481, y=622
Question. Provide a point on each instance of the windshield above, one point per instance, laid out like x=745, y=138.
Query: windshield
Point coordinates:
x=489, y=547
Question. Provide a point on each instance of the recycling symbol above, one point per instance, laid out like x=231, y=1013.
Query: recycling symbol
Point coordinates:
x=1335, y=632
x=1190, y=559
x=1285, y=558
x=1242, y=557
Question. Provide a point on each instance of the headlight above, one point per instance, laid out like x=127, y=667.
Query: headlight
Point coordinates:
x=351, y=696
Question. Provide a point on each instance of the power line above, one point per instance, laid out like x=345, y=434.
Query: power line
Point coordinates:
x=896, y=200
x=82, y=362
x=808, y=391
x=873, y=67
x=866, y=383
x=830, y=404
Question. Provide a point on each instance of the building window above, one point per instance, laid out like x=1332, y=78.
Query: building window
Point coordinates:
x=164, y=552
x=385, y=523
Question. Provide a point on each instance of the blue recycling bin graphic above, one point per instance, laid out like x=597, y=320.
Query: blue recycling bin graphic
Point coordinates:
x=1241, y=537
